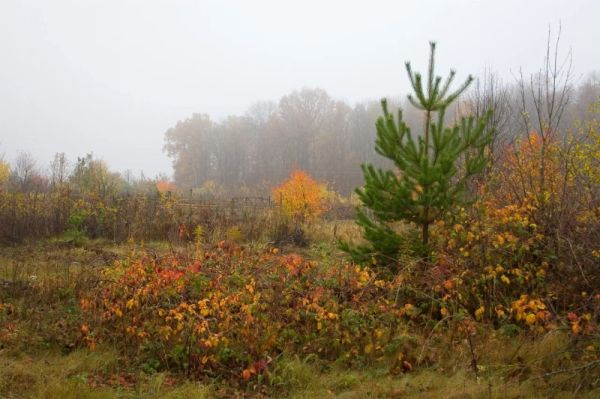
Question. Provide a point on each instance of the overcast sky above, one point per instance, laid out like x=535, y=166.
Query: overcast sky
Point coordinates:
x=111, y=76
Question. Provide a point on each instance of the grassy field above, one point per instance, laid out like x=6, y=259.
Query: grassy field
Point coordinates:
x=41, y=354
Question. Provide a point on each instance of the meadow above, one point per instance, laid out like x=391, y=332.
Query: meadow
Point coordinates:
x=236, y=318
x=465, y=265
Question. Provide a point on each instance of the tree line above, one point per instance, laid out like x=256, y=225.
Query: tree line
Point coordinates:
x=308, y=129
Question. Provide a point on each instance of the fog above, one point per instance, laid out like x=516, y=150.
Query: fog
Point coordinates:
x=111, y=77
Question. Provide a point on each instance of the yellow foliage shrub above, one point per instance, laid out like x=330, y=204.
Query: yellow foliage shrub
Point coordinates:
x=301, y=197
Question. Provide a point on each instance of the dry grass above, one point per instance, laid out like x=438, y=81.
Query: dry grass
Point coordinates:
x=507, y=368
x=39, y=359
x=69, y=376
x=327, y=232
x=74, y=376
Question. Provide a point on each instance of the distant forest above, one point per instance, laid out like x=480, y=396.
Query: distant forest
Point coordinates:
x=248, y=155
x=310, y=130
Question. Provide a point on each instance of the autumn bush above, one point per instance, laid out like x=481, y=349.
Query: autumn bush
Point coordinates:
x=301, y=197
x=230, y=311
x=523, y=254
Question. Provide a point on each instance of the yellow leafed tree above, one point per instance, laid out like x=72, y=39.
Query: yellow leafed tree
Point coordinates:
x=4, y=172
x=301, y=197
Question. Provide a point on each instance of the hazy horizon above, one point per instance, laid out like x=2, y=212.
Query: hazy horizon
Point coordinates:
x=110, y=77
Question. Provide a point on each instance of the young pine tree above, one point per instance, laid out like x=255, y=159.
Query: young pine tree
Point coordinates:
x=433, y=168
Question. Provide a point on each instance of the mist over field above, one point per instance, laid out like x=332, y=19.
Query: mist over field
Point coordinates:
x=111, y=77
x=317, y=199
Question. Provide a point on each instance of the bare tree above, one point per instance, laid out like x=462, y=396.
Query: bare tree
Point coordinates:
x=543, y=99
x=24, y=171
x=489, y=92
x=59, y=170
